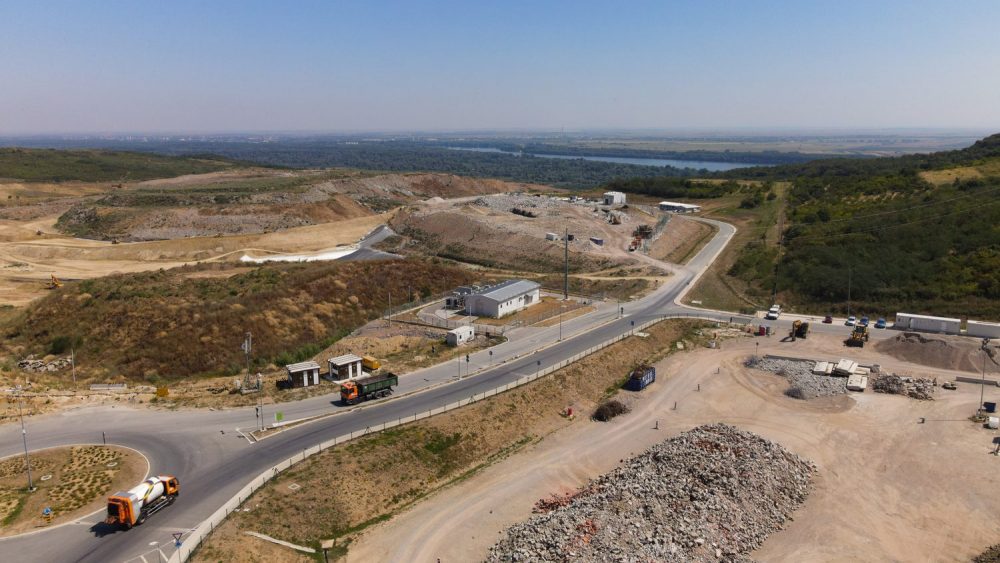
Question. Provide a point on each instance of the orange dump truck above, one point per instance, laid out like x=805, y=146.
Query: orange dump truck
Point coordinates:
x=132, y=507
x=371, y=387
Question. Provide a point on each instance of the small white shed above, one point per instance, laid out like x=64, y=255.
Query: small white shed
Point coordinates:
x=344, y=367
x=460, y=335
x=614, y=198
x=303, y=374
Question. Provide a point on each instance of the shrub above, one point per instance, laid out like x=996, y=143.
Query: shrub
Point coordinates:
x=609, y=409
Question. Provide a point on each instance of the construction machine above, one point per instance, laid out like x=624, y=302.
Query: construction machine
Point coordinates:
x=53, y=283
x=858, y=337
x=799, y=330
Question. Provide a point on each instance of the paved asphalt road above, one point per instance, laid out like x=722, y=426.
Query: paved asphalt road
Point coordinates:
x=213, y=461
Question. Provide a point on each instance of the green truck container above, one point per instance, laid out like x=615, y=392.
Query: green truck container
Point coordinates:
x=365, y=388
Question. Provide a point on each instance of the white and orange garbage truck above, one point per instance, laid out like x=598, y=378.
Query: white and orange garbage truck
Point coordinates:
x=132, y=507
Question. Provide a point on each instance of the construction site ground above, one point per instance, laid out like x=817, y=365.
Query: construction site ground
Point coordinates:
x=681, y=239
x=483, y=229
x=889, y=488
x=70, y=481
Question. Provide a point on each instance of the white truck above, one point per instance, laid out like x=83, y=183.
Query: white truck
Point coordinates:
x=773, y=313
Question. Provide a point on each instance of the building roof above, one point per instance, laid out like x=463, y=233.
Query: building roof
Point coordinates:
x=912, y=316
x=461, y=329
x=681, y=205
x=301, y=366
x=345, y=359
x=508, y=290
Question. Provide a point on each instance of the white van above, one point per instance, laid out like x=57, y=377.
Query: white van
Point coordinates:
x=773, y=312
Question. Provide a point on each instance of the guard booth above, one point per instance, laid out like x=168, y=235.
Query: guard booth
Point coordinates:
x=345, y=367
x=303, y=374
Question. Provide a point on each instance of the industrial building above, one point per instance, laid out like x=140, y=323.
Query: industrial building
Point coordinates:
x=924, y=323
x=460, y=335
x=679, y=207
x=345, y=367
x=502, y=299
x=614, y=198
x=303, y=374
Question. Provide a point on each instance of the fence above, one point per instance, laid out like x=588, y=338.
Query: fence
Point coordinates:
x=198, y=534
x=433, y=320
x=108, y=386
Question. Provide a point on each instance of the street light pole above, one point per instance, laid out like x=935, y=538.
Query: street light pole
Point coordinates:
x=982, y=388
x=24, y=438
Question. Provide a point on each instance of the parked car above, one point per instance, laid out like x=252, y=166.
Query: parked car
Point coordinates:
x=851, y=321
x=880, y=323
x=864, y=321
x=828, y=319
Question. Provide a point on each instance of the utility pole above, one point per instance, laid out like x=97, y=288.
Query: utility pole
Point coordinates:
x=24, y=438
x=388, y=316
x=849, y=271
x=72, y=361
x=982, y=388
x=561, y=307
x=781, y=236
x=566, y=265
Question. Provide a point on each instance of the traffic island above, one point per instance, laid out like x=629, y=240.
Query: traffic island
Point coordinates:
x=67, y=483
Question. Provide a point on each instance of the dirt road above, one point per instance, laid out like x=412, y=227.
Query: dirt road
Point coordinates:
x=888, y=488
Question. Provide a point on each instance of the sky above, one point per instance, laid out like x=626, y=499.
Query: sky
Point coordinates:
x=239, y=66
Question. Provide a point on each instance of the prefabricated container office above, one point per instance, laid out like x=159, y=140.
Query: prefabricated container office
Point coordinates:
x=303, y=374
x=614, y=198
x=460, y=335
x=924, y=323
x=344, y=367
x=982, y=330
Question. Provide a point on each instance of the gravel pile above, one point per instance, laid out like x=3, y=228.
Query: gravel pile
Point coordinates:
x=506, y=202
x=713, y=493
x=801, y=378
x=33, y=364
x=914, y=387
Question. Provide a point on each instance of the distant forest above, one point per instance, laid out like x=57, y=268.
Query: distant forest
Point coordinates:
x=399, y=156
x=907, y=244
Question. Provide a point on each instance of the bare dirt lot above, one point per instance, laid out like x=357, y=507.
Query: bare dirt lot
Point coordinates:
x=681, y=240
x=72, y=481
x=888, y=488
x=485, y=231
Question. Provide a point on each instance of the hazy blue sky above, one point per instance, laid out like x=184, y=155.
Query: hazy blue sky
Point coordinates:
x=372, y=65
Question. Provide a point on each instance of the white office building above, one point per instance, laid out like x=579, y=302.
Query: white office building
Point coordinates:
x=503, y=299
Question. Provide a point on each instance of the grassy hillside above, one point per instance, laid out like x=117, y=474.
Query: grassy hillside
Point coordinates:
x=47, y=165
x=160, y=326
x=905, y=242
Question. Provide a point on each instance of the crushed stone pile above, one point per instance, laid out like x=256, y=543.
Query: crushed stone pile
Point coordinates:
x=914, y=387
x=31, y=363
x=800, y=376
x=506, y=202
x=960, y=353
x=712, y=493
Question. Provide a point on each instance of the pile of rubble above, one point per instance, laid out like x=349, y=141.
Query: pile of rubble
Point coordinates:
x=31, y=363
x=713, y=493
x=800, y=376
x=914, y=387
x=506, y=202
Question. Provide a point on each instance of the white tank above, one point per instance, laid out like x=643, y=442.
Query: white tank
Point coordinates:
x=149, y=490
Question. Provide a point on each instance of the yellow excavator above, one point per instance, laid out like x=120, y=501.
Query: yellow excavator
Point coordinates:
x=799, y=330
x=53, y=283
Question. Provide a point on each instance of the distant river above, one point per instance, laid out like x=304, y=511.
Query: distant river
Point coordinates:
x=710, y=165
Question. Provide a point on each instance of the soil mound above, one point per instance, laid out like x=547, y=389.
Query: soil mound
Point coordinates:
x=946, y=352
